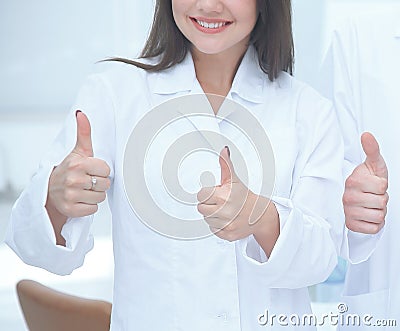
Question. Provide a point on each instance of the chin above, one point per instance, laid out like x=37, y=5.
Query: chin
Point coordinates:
x=210, y=50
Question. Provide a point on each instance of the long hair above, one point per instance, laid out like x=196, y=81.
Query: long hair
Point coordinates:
x=272, y=38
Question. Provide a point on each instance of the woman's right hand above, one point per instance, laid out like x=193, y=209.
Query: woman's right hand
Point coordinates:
x=71, y=191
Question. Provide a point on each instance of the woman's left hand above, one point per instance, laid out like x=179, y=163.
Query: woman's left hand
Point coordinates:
x=231, y=210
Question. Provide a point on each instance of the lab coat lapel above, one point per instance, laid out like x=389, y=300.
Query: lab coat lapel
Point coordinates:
x=249, y=79
x=196, y=115
x=192, y=111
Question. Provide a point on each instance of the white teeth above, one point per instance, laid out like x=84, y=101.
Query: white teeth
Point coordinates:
x=211, y=25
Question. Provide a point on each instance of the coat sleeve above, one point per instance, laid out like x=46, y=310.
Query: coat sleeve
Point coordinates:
x=310, y=223
x=342, y=83
x=30, y=233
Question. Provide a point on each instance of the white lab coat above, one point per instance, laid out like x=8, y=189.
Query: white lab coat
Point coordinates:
x=208, y=284
x=364, y=64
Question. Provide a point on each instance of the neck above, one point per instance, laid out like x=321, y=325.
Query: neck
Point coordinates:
x=215, y=72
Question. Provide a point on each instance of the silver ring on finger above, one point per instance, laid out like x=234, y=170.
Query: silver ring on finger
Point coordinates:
x=94, y=182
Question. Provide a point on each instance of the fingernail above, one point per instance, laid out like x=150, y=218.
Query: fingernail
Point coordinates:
x=78, y=111
x=229, y=152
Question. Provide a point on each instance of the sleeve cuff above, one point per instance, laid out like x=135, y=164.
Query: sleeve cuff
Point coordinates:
x=31, y=235
x=360, y=246
x=292, y=251
x=251, y=250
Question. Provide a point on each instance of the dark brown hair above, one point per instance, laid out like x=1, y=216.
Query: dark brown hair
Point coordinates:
x=271, y=36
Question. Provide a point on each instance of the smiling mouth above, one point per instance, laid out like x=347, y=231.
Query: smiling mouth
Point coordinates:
x=214, y=24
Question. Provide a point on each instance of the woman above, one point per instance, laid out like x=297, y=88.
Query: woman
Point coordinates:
x=239, y=50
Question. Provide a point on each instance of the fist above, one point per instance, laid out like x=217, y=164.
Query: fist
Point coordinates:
x=231, y=210
x=80, y=182
x=365, y=197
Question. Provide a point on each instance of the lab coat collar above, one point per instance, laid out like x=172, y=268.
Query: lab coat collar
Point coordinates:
x=179, y=78
x=250, y=79
x=247, y=84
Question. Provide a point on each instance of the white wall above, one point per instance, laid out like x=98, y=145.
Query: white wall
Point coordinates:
x=308, y=31
x=48, y=48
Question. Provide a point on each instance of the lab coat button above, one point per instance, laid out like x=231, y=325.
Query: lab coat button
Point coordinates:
x=223, y=316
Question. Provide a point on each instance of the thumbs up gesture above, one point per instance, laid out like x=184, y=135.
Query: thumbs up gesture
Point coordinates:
x=365, y=197
x=232, y=211
x=79, y=183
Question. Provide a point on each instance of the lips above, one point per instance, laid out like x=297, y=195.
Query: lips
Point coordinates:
x=210, y=25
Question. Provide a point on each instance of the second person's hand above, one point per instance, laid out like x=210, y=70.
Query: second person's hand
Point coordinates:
x=365, y=198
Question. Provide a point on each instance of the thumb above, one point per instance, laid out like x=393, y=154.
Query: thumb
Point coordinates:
x=83, y=135
x=227, y=171
x=374, y=161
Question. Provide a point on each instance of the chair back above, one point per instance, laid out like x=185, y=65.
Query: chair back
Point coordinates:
x=46, y=309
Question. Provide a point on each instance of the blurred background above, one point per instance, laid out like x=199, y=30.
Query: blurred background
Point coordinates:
x=47, y=49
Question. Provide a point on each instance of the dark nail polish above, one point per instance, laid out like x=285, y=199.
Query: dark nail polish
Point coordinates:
x=78, y=111
x=229, y=152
